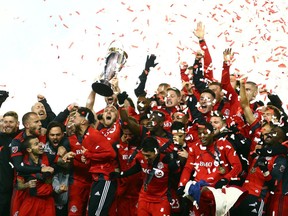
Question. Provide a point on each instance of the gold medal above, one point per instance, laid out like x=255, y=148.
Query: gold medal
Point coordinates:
x=222, y=170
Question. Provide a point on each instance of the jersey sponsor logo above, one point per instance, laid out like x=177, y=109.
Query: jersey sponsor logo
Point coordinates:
x=97, y=193
x=14, y=149
x=205, y=164
x=158, y=173
x=167, y=124
x=146, y=170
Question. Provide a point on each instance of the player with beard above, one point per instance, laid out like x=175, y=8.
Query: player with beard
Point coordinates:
x=212, y=162
x=109, y=125
x=265, y=175
x=56, y=147
x=43, y=109
x=155, y=168
x=38, y=187
x=10, y=130
x=32, y=127
x=94, y=156
x=57, y=144
x=240, y=143
x=128, y=188
x=172, y=104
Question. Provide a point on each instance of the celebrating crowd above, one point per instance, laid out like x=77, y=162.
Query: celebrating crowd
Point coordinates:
x=208, y=148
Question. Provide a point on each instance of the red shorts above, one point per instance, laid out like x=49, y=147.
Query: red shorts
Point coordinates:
x=152, y=208
x=78, y=198
x=277, y=204
x=127, y=206
x=18, y=197
x=35, y=206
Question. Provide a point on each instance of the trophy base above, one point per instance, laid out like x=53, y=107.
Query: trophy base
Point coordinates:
x=102, y=89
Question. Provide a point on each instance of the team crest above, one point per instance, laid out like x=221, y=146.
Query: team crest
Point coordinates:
x=73, y=209
x=14, y=149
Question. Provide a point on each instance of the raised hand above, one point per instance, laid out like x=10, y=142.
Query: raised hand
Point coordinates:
x=199, y=32
x=3, y=96
x=122, y=97
x=228, y=55
x=150, y=62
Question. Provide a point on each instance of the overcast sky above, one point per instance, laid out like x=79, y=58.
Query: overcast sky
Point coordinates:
x=57, y=47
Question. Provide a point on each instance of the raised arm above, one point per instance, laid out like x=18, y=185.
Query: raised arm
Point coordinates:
x=141, y=83
x=248, y=113
x=199, y=32
x=133, y=126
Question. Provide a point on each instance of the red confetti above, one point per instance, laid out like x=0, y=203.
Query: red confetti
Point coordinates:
x=129, y=9
x=134, y=19
x=77, y=12
x=71, y=45
x=100, y=10
x=65, y=26
x=282, y=65
x=60, y=18
x=98, y=27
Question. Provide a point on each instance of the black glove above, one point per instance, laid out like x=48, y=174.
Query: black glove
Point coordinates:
x=180, y=191
x=150, y=62
x=3, y=96
x=262, y=164
x=272, y=150
x=221, y=183
x=275, y=100
x=122, y=97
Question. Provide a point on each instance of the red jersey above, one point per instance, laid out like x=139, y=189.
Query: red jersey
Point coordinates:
x=256, y=182
x=158, y=187
x=165, y=142
x=80, y=170
x=17, y=149
x=207, y=163
x=131, y=185
x=100, y=154
x=111, y=133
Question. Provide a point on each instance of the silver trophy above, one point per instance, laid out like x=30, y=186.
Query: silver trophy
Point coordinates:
x=114, y=62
